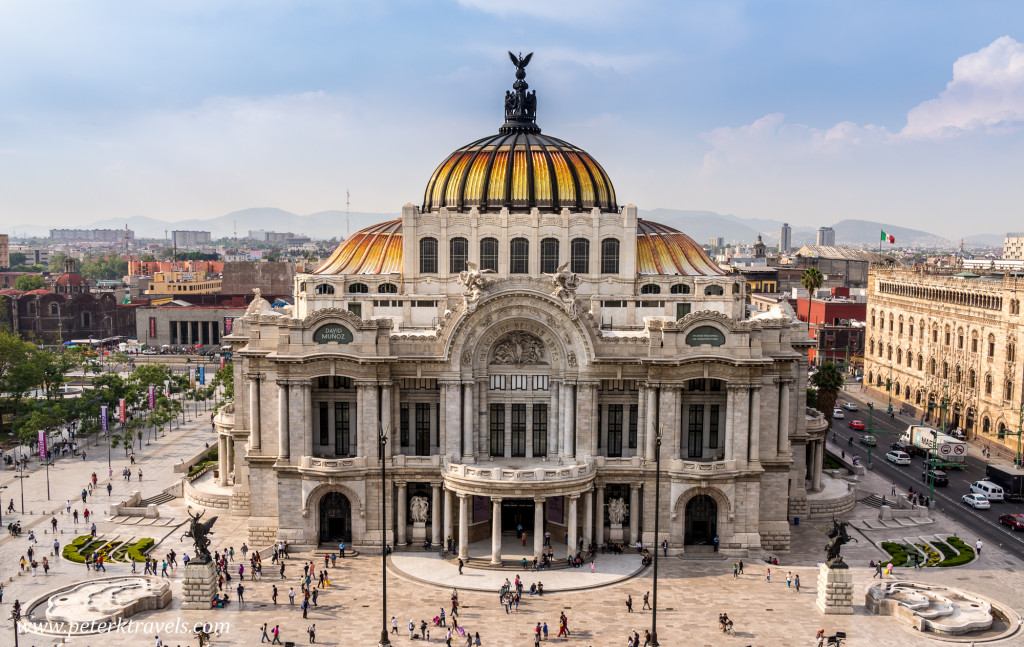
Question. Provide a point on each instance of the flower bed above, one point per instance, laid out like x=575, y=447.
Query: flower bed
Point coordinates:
x=965, y=556
x=113, y=551
x=932, y=556
x=898, y=552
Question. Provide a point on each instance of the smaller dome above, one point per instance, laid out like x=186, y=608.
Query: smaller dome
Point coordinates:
x=71, y=279
x=660, y=249
x=374, y=250
x=37, y=293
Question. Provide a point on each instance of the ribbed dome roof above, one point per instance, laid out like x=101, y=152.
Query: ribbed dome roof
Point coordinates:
x=519, y=170
x=374, y=250
x=71, y=279
x=660, y=250
x=663, y=250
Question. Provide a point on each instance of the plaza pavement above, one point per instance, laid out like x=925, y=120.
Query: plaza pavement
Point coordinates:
x=693, y=590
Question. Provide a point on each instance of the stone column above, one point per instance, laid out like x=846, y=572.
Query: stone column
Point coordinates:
x=254, y=411
x=467, y=423
x=231, y=454
x=463, y=527
x=730, y=423
x=385, y=417
x=599, y=502
x=819, y=446
x=538, y=527
x=554, y=418
x=567, y=446
x=571, y=539
x=222, y=459
x=651, y=433
x=366, y=421
x=754, y=455
x=400, y=508
x=448, y=505
x=435, y=514
x=785, y=393
x=634, y=513
x=449, y=419
x=283, y=440
x=495, y=530
x=306, y=416
x=588, y=517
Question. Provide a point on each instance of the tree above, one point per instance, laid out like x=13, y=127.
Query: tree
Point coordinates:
x=811, y=280
x=828, y=381
x=57, y=263
x=17, y=259
x=29, y=282
x=20, y=372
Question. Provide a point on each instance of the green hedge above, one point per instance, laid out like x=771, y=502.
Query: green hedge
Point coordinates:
x=70, y=551
x=898, y=552
x=138, y=550
x=965, y=556
x=116, y=551
x=947, y=552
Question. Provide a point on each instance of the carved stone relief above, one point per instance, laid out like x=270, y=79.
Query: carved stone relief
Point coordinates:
x=519, y=348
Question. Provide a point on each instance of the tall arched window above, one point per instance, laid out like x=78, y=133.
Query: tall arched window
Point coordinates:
x=579, y=256
x=971, y=379
x=519, y=256
x=988, y=385
x=489, y=254
x=680, y=288
x=387, y=288
x=899, y=355
x=650, y=288
x=609, y=256
x=324, y=288
x=458, y=255
x=1011, y=352
x=714, y=291
x=428, y=256
x=871, y=346
x=54, y=310
x=549, y=255
x=358, y=288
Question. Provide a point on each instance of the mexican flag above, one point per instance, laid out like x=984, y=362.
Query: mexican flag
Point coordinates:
x=886, y=238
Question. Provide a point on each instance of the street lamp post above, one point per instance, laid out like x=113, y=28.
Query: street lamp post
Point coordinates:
x=16, y=617
x=657, y=516
x=382, y=441
x=21, y=476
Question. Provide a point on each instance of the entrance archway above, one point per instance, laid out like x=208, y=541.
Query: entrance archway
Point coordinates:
x=701, y=520
x=515, y=513
x=335, y=518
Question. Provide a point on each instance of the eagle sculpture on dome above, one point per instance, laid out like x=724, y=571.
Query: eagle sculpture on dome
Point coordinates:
x=520, y=106
x=520, y=62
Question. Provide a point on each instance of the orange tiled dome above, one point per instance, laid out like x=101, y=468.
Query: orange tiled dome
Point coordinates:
x=374, y=250
x=663, y=250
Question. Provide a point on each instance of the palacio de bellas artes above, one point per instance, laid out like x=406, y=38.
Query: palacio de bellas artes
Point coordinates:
x=516, y=349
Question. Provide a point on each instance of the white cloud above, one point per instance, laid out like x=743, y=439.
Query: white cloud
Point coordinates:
x=987, y=91
x=570, y=11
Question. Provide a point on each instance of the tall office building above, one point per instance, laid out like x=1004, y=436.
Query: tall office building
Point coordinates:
x=1013, y=246
x=183, y=238
x=785, y=238
x=827, y=236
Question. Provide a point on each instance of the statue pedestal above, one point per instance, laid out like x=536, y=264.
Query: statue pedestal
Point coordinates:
x=199, y=586
x=835, y=590
x=615, y=533
x=419, y=532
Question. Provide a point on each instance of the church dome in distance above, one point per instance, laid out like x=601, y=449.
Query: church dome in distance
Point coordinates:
x=519, y=168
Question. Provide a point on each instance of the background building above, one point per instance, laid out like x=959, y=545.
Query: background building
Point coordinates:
x=836, y=324
x=1013, y=246
x=826, y=237
x=5, y=252
x=715, y=242
x=841, y=266
x=185, y=238
x=953, y=339
x=785, y=238
x=92, y=235
x=241, y=277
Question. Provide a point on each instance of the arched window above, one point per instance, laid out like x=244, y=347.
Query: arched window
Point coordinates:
x=680, y=288
x=931, y=366
x=54, y=310
x=1011, y=352
x=888, y=350
x=910, y=331
x=948, y=336
x=871, y=377
x=920, y=361
x=735, y=288
x=945, y=370
x=960, y=338
x=988, y=385
x=974, y=342
x=991, y=345
x=971, y=379
x=458, y=255
x=1008, y=390
x=610, y=256
x=871, y=346
x=959, y=375
x=917, y=398
x=900, y=330
x=579, y=256
x=890, y=323
x=86, y=320
x=714, y=291
x=387, y=288
x=910, y=359
x=428, y=256
x=358, y=288
x=549, y=255
x=899, y=355
x=650, y=288
x=489, y=254
x=519, y=256
x=324, y=288
x=873, y=322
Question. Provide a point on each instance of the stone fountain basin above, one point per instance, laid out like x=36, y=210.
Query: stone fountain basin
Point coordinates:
x=938, y=609
x=106, y=600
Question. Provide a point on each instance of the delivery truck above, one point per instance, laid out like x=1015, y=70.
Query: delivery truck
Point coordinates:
x=940, y=447
x=1009, y=478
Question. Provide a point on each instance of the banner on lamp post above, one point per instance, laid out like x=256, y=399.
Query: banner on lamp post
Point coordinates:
x=42, y=444
x=167, y=388
x=223, y=361
x=122, y=410
x=202, y=375
x=103, y=418
x=192, y=376
x=152, y=397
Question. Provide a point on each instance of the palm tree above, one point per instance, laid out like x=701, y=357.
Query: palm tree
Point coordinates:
x=811, y=280
x=828, y=381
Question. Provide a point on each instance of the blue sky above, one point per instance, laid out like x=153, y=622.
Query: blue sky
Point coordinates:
x=812, y=112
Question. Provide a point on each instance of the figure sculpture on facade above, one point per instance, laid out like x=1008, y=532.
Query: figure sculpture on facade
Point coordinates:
x=258, y=305
x=566, y=283
x=199, y=532
x=837, y=537
x=616, y=511
x=474, y=281
x=418, y=509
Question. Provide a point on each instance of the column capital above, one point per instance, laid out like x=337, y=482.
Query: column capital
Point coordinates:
x=574, y=497
x=255, y=376
x=436, y=484
x=737, y=386
x=462, y=495
x=540, y=499
x=496, y=500
x=400, y=485
x=450, y=382
x=784, y=380
x=365, y=384
x=282, y=383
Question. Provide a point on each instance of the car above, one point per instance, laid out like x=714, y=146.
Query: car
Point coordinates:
x=976, y=501
x=911, y=450
x=870, y=441
x=940, y=478
x=899, y=458
x=837, y=413
x=1014, y=521
x=850, y=406
x=149, y=351
x=857, y=424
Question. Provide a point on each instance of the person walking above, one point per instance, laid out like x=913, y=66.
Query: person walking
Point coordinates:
x=273, y=596
x=796, y=582
x=241, y=592
x=461, y=564
x=878, y=571
x=977, y=548
x=768, y=576
x=291, y=596
x=735, y=570
x=265, y=637
x=741, y=566
x=311, y=630
x=394, y=625
x=789, y=579
x=277, y=635
x=305, y=609
x=629, y=603
x=647, y=603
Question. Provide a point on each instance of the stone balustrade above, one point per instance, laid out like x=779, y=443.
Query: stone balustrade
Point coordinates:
x=495, y=472
x=701, y=468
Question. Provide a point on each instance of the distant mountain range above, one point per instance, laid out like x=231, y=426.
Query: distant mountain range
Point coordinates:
x=699, y=225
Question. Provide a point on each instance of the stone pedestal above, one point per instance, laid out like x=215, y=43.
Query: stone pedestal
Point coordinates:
x=835, y=591
x=615, y=534
x=419, y=532
x=200, y=585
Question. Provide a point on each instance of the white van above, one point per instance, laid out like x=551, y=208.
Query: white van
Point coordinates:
x=987, y=489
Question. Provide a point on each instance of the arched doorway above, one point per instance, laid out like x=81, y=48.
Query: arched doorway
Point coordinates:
x=335, y=518
x=701, y=520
